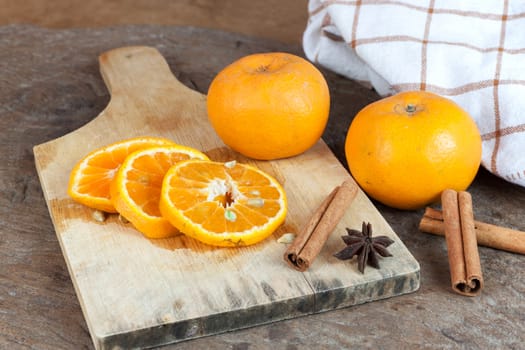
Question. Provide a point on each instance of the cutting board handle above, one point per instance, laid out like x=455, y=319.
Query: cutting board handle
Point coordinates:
x=136, y=70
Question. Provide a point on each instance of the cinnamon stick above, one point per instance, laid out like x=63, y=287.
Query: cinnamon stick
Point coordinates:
x=309, y=242
x=487, y=235
x=460, y=234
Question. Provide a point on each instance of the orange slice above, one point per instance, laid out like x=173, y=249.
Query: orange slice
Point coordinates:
x=222, y=204
x=90, y=178
x=135, y=190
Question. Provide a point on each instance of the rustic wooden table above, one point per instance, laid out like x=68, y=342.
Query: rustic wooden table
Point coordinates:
x=50, y=85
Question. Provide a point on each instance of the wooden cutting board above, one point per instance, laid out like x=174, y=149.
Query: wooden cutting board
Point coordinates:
x=136, y=292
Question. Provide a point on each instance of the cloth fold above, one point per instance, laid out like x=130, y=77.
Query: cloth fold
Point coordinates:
x=472, y=52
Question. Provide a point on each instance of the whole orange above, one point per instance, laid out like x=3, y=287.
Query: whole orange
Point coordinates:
x=269, y=105
x=404, y=150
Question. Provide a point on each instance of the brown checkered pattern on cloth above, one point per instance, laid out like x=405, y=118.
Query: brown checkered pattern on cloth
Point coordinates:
x=470, y=51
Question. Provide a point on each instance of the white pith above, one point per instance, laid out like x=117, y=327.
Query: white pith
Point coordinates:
x=219, y=188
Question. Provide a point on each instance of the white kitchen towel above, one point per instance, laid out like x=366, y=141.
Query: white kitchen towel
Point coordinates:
x=472, y=52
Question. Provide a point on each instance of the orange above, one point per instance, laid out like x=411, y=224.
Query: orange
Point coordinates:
x=222, y=204
x=135, y=189
x=90, y=178
x=404, y=150
x=269, y=105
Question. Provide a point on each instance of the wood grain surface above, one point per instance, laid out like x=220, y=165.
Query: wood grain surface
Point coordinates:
x=137, y=292
x=279, y=20
x=50, y=85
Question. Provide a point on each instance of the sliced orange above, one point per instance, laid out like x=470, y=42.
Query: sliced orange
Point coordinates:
x=90, y=178
x=135, y=190
x=222, y=204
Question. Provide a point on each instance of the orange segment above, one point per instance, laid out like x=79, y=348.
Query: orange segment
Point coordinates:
x=90, y=178
x=135, y=190
x=222, y=204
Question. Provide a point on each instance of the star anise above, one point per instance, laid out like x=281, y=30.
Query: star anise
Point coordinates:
x=366, y=247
